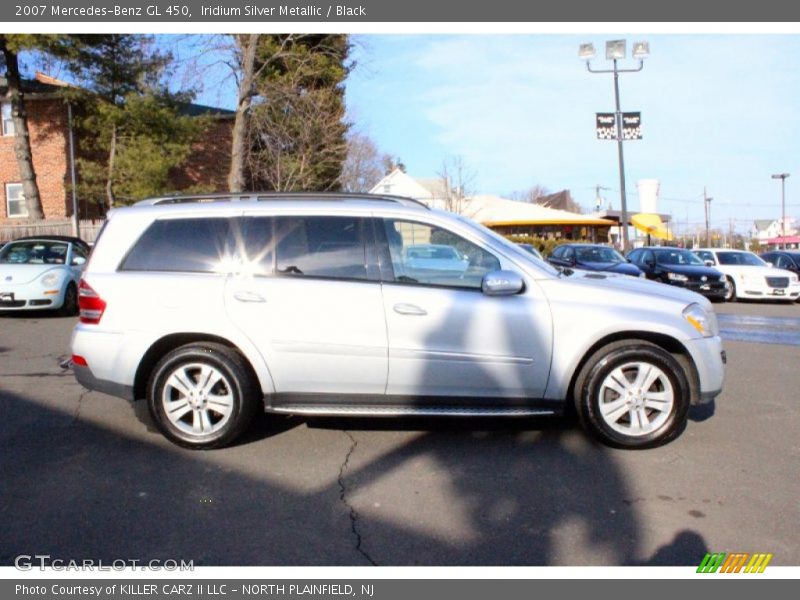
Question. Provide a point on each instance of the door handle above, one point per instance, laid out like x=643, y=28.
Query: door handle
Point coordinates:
x=245, y=296
x=409, y=309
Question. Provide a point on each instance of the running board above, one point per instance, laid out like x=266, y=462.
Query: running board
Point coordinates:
x=407, y=411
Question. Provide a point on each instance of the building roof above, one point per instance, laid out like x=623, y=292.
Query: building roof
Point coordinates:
x=495, y=211
x=46, y=86
x=763, y=224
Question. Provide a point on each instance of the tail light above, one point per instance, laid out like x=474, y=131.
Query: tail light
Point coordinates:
x=90, y=303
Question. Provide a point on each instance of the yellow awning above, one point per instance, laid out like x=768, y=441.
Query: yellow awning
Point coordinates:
x=651, y=224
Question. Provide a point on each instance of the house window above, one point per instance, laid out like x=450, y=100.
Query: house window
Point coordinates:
x=8, y=122
x=15, y=201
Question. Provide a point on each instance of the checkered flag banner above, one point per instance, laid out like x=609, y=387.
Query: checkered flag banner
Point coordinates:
x=632, y=126
x=606, y=126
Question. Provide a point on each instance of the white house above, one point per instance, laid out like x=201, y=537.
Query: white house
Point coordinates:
x=769, y=229
x=399, y=183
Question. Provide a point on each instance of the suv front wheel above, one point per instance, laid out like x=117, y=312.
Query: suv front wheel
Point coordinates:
x=202, y=395
x=633, y=394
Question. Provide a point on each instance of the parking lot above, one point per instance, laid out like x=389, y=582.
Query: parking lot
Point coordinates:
x=86, y=476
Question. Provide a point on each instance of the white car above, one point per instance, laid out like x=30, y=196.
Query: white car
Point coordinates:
x=42, y=273
x=751, y=277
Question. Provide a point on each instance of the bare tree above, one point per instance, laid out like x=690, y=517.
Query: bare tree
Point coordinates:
x=364, y=165
x=457, y=179
x=533, y=194
x=285, y=157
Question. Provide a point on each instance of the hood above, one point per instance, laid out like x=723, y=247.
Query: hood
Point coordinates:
x=753, y=271
x=630, y=290
x=615, y=267
x=22, y=274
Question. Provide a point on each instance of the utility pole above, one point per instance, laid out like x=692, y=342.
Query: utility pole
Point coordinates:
x=707, y=202
x=782, y=177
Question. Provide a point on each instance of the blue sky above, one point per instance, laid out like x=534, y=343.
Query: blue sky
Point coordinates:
x=718, y=111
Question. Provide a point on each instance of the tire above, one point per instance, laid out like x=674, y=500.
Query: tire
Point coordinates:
x=730, y=290
x=202, y=395
x=612, y=408
x=69, y=308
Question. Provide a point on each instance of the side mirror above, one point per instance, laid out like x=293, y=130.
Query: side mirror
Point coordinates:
x=708, y=263
x=78, y=261
x=502, y=283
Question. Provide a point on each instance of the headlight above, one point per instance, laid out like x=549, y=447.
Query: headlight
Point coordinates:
x=677, y=277
x=705, y=322
x=49, y=279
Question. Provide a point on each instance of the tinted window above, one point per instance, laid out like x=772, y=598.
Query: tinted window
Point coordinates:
x=569, y=253
x=259, y=247
x=190, y=245
x=321, y=247
x=428, y=255
x=558, y=252
x=706, y=255
x=677, y=257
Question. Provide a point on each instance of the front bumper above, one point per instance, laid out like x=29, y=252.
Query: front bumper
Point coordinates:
x=709, y=359
x=29, y=297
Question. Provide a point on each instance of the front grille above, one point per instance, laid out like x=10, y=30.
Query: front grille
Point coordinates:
x=778, y=282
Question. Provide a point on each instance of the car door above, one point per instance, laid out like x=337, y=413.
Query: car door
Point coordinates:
x=448, y=339
x=308, y=299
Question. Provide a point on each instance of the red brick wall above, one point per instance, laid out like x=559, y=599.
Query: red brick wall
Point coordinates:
x=47, y=124
x=210, y=160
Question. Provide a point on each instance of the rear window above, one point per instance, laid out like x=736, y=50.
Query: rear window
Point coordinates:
x=187, y=245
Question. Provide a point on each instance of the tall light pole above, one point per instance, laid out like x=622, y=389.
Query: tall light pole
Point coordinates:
x=707, y=202
x=782, y=177
x=615, y=50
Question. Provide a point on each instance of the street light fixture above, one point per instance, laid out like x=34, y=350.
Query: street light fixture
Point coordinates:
x=616, y=50
x=782, y=177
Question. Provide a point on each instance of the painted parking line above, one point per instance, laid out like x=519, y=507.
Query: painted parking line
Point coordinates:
x=784, y=331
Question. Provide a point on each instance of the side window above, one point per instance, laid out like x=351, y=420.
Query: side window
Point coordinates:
x=781, y=262
x=635, y=257
x=706, y=255
x=429, y=255
x=321, y=247
x=569, y=254
x=202, y=245
x=558, y=252
x=648, y=258
x=258, y=253
x=78, y=253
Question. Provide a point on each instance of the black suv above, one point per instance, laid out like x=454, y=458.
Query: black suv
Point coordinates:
x=680, y=267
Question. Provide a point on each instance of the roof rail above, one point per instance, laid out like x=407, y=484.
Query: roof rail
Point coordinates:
x=277, y=196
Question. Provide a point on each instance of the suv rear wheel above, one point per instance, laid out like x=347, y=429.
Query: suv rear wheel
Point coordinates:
x=633, y=394
x=202, y=395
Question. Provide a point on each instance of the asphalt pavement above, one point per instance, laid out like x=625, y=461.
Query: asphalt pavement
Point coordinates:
x=85, y=475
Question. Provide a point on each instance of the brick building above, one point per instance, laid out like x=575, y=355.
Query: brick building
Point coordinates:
x=48, y=125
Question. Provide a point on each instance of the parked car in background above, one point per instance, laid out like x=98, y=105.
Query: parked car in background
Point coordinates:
x=788, y=260
x=42, y=273
x=438, y=257
x=310, y=304
x=593, y=257
x=751, y=277
x=531, y=249
x=681, y=268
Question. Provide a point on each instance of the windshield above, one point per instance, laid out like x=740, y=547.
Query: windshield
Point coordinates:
x=677, y=257
x=513, y=248
x=34, y=253
x=598, y=254
x=740, y=258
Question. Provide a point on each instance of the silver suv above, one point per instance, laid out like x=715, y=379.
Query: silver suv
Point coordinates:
x=213, y=307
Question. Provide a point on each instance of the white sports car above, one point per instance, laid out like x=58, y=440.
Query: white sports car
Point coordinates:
x=42, y=273
x=750, y=277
